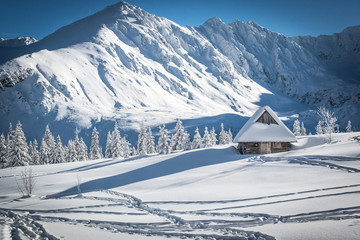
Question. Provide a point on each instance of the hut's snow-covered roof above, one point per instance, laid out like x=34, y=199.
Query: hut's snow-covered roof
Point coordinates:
x=255, y=131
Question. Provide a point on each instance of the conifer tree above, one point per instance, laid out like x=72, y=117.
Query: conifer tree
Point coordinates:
x=177, y=140
x=197, y=140
x=78, y=146
x=187, y=143
x=71, y=154
x=126, y=148
x=133, y=151
x=10, y=135
x=18, y=154
x=83, y=153
x=47, y=149
x=59, y=151
x=229, y=136
x=296, y=128
x=223, y=136
x=303, y=129
x=116, y=145
x=45, y=153
x=318, y=128
x=34, y=153
x=142, y=141
x=206, y=140
x=2, y=151
x=108, y=153
x=163, y=141
x=348, y=126
x=150, y=142
x=95, y=152
x=213, y=137
x=9, y=141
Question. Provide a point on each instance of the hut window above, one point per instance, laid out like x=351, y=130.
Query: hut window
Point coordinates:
x=266, y=118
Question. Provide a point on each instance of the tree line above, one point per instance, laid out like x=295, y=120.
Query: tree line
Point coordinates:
x=15, y=151
x=326, y=124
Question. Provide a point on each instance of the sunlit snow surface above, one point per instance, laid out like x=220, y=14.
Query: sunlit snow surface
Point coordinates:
x=311, y=192
x=125, y=64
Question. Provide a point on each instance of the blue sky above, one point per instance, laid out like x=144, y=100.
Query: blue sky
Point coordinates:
x=39, y=18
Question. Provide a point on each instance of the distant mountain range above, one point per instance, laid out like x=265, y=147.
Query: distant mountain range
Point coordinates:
x=125, y=64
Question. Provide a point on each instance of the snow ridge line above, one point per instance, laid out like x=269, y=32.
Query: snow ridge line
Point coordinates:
x=26, y=225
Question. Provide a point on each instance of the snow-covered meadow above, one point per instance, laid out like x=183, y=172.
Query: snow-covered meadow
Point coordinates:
x=311, y=192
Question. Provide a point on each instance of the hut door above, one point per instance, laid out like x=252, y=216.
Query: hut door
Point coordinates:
x=265, y=147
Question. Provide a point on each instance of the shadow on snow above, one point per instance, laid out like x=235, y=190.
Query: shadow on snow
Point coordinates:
x=173, y=165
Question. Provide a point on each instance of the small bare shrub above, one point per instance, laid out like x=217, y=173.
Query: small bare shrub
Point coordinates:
x=27, y=183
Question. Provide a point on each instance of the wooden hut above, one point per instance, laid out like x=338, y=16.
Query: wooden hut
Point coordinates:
x=263, y=133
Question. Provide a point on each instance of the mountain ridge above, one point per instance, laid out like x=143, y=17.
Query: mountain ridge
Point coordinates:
x=126, y=64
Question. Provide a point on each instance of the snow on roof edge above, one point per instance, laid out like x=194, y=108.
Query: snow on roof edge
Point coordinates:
x=252, y=133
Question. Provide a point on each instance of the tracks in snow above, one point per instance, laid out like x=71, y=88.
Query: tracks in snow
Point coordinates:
x=24, y=224
x=209, y=223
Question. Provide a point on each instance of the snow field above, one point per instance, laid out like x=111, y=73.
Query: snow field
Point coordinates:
x=212, y=193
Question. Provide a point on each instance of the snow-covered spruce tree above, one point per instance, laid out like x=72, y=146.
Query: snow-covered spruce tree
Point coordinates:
x=71, y=154
x=126, y=148
x=142, y=141
x=18, y=154
x=83, y=154
x=77, y=146
x=2, y=151
x=163, y=141
x=206, y=140
x=197, y=140
x=319, y=129
x=187, y=142
x=328, y=121
x=45, y=153
x=34, y=153
x=59, y=151
x=95, y=152
x=108, y=153
x=296, y=128
x=9, y=141
x=302, y=129
x=229, y=136
x=177, y=140
x=133, y=151
x=116, y=144
x=213, y=137
x=150, y=142
x=47, y=149
x=348, y=126
x=10, y=134
x=223, y=137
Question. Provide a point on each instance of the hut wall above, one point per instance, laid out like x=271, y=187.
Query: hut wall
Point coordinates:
x=263, y=147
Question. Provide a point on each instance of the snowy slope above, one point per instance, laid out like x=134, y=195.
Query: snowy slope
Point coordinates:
x=126, y=64
x=311, y=192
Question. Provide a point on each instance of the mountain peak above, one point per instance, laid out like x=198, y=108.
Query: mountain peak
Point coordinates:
x=214, y=21
x=17, y=42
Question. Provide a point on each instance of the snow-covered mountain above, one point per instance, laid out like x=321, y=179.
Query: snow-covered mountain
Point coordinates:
x=126, y=64
x=16, y=42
